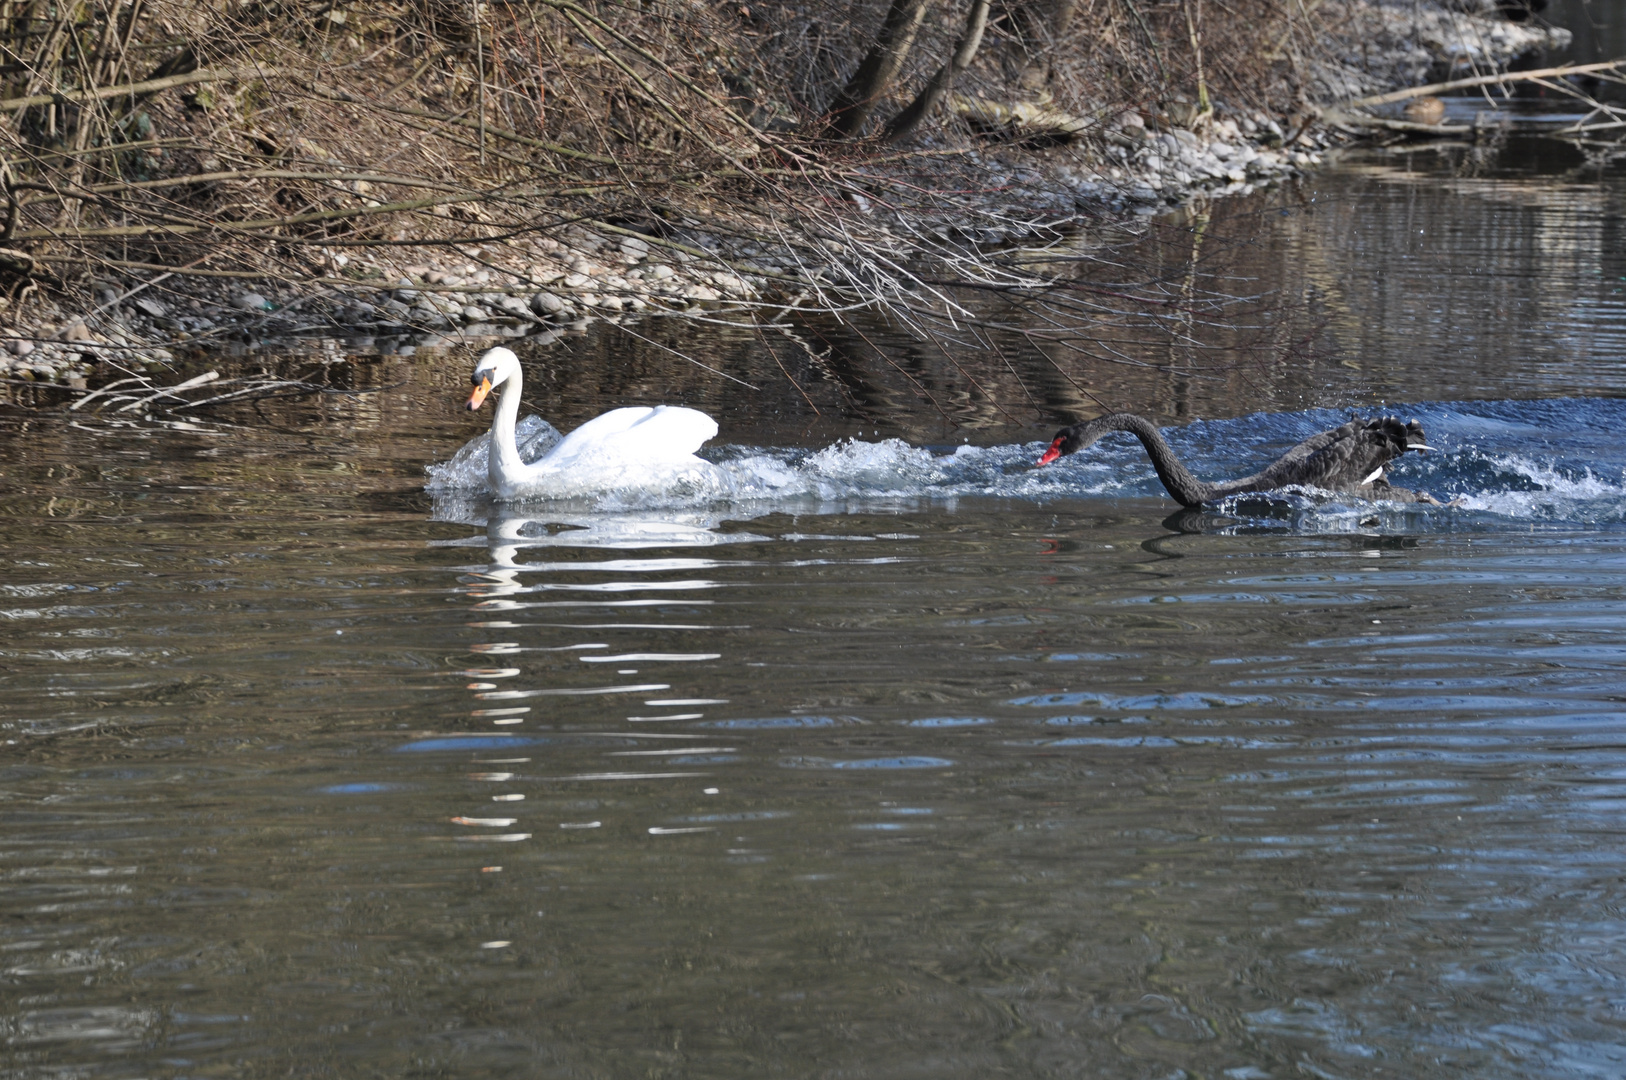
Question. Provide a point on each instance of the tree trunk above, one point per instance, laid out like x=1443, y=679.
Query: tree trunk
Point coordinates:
x=964, y=52
x=857, y=100
x=1039, y=25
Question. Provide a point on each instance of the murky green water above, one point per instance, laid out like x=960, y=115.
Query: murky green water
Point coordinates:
x=924, y=771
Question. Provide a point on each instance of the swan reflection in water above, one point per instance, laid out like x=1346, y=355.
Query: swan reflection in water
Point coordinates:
x=510, y=530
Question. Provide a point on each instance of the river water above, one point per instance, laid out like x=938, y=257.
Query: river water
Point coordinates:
x=905, y=760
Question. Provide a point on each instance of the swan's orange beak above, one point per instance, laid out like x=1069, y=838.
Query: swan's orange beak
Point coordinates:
x=479, y=394
x=1051, y=454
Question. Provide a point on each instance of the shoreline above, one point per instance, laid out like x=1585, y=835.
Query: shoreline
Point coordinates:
x=1133, y=164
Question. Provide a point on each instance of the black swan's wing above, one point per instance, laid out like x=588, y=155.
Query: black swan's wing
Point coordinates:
x=1345, y=458
x=1354, y=458
x=1316, y=443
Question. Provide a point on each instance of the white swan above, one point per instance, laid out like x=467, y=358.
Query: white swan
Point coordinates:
x=631, y=447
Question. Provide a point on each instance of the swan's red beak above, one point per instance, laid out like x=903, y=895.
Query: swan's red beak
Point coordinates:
x=1051, y=454
x=479, y=394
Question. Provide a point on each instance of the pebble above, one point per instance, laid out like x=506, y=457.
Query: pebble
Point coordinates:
x=545, y=304
x=514, y=306
x=660, y=272
x=252, y=301
x=475, y=313
x=634, y=248
x=148, y=306
x=20, y=346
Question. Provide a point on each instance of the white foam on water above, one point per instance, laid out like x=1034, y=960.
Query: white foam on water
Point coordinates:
x=849, y=469
x=467, y=470
x=743, y=482
x=1581, y=496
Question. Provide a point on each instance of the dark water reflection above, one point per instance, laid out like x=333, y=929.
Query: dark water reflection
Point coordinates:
x=298, y=779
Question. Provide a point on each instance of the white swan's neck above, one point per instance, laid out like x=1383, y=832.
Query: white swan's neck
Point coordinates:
x=505, y=466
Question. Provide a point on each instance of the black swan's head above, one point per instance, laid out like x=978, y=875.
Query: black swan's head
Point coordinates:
x=1069, y=440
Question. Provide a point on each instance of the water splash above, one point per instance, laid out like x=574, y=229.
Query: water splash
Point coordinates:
x=467, y=470
x=1550, y=462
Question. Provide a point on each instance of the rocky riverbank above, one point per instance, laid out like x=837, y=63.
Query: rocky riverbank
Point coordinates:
x=514, y=288
x=1134, y=161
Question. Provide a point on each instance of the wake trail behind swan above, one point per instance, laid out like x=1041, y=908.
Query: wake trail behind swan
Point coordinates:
x=1553, y=462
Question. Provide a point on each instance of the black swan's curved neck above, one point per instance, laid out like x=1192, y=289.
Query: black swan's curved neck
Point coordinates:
x=1351, y=457
x=1186, y=488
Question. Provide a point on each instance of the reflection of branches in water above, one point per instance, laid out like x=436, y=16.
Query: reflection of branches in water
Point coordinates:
x=140, y=392
x=1084, y=308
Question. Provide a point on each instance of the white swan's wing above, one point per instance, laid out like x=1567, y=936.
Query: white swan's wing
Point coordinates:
x=634, y=436
x=671, y=431
x=589, y=440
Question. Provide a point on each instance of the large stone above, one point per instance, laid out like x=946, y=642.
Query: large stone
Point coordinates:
x=546, y=304
x=514, y=306
x=424, y=315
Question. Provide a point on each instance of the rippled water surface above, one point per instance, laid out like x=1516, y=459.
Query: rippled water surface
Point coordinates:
x=903, y=760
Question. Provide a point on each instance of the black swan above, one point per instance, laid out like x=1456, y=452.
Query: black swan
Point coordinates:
x=1350, y=458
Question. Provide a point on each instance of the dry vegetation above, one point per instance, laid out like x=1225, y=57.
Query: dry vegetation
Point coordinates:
x=841, y=154
x=266, y=138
